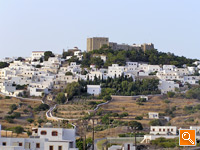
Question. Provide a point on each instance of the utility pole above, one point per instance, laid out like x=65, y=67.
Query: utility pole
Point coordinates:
x=135, y=128
x=93, y=134
x=135, y=138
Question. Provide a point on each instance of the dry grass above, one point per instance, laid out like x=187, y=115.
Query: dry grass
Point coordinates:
x=75, y=109
x=5, y=108
x=155, y=104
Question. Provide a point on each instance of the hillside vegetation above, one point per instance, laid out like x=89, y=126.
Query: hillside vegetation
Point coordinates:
x=153, y=57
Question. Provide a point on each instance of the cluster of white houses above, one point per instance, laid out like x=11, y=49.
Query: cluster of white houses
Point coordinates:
x=46, y=138
x=41, y=77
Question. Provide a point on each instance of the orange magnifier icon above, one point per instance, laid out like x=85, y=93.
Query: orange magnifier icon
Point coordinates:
x=186, y=137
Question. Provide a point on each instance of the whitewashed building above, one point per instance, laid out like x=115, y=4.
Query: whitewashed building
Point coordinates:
x=42, y=139
x=153, y=115
x=163, y=130
x=94, y=89
x=167, y=86
x=115, y=70
x=37, y=55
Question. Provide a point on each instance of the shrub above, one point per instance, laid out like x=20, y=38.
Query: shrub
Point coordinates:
x=106, y=120
x=16, y=115
x=30, y=120
x=115, y=114
x=25, y=111
x=107, y=98
x=193, y=93
x=165, y=143
x=13, y=107
x=142, y=100
x=189, y=109
x=124, y=114
x=40, y=121
x=29, y=133
x=155, y=122
x=7, y=97
x=18, y=129
x=42, y=107
x=167, y=101
x=9, y=120
x=138, y=118
x=38, y=66
x=170, y=94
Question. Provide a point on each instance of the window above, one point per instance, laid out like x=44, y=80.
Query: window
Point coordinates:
x=128, y=146
x=50, y=147
x=37, y=145
x=20, y=144
x=70, y=144
x=43, y=133
x=54, y=133
x=153, y=129
x=59, y=147
x=160, y=130
x=4, y=143
x=171, y=130
x=167, y=130
x=164, y=130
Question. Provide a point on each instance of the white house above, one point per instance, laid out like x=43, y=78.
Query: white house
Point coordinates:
x=167, y=86
x=94, y=89
x=115, y=70
x=154, y=68
x=191, y=79
x=182, y=71
x=115, y=147
x=40, y=88
x=168, y=75
x=153, y=115
x=191, y=70
x=131, y=67
x=42, y=139
x=7, y=88
x=197, y=128
x=197, y=63
x=169, y=67
x=128, y=146
x=163, y=130
x=37, y=55
x=92, y=75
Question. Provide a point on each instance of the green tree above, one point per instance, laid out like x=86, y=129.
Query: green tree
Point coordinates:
x=60, y=98
x=3, y=65
x=30, y=120
x=42, y=107
x=48, y=54
x=136, y=125
x=18, y=130
x=73, y=89
x=68, y=73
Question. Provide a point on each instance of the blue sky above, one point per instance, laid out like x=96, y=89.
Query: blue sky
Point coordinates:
x=27, y=25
